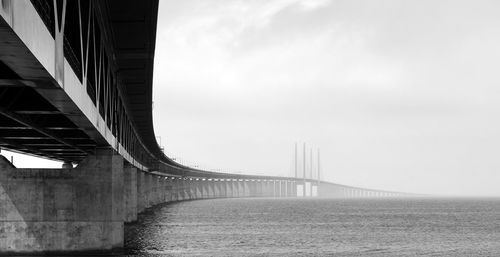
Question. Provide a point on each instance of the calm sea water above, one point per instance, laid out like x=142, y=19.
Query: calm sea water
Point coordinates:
x=321, y=227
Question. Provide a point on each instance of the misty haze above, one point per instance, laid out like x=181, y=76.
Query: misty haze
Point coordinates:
x=250, y=128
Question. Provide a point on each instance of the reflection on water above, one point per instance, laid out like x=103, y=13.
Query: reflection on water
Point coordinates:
x=320, y=227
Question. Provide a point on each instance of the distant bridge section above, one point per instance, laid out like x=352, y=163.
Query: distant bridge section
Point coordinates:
x=76, y=86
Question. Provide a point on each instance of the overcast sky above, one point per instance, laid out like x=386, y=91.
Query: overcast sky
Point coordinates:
x=399, y=95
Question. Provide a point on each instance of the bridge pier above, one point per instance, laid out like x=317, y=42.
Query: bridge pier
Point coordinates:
x=283, y=188
x=177, y=188
x=58, y=210
x=270, y=188
x=244, y=188
x=193, y=188
x=252, y=187
x=130, y=192
x=234, y=188
x=204, y=188
x=227, y=187
x=185, y=189
x=259, y=188
x=220, y=188
x=255, y=185
x=211, y=188
x=215, y=188
x=147, y=190
x=168, y=189
x=202, y=184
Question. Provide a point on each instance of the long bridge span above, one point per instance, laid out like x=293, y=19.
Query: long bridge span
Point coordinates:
x=76, y=86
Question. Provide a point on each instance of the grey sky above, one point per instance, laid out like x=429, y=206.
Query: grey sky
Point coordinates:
x=399, y=95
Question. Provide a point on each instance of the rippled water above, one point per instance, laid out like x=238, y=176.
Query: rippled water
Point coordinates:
x=322, y=227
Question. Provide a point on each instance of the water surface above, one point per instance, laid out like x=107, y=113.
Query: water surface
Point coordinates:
x=318, y=227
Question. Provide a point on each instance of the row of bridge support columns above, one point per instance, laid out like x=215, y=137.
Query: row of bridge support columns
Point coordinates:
x=84, y=209
x=348, y=192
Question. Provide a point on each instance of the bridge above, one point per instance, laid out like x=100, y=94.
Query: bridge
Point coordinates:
x=76, y=86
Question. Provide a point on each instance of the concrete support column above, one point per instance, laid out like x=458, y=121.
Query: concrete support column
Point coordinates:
x=146, y=189
x=177, y=188
x=170, y=188
x=230, y=188
x=186, y=185
x=152, y=190
x=140, y=191
x=193, y=188
x=263, y=187
x=202, y=188
x=199, y=186
x=207, y=188
x=241, y=185
x=222, y=188
x=161, y=189
x=187, y=189
x=164, y=190
x=251, y=188
x=156, y=193
x=147, y=196
x=167, y=189
x=57, y=210
x=130, y=192
x=235, y=188
x=171, y=184
x=154, y=186
x=179, y=191
x=159, y=192
x=213, y=189
x=217, y=189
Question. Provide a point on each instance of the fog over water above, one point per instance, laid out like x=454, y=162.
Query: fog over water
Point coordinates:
x=399, y=95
